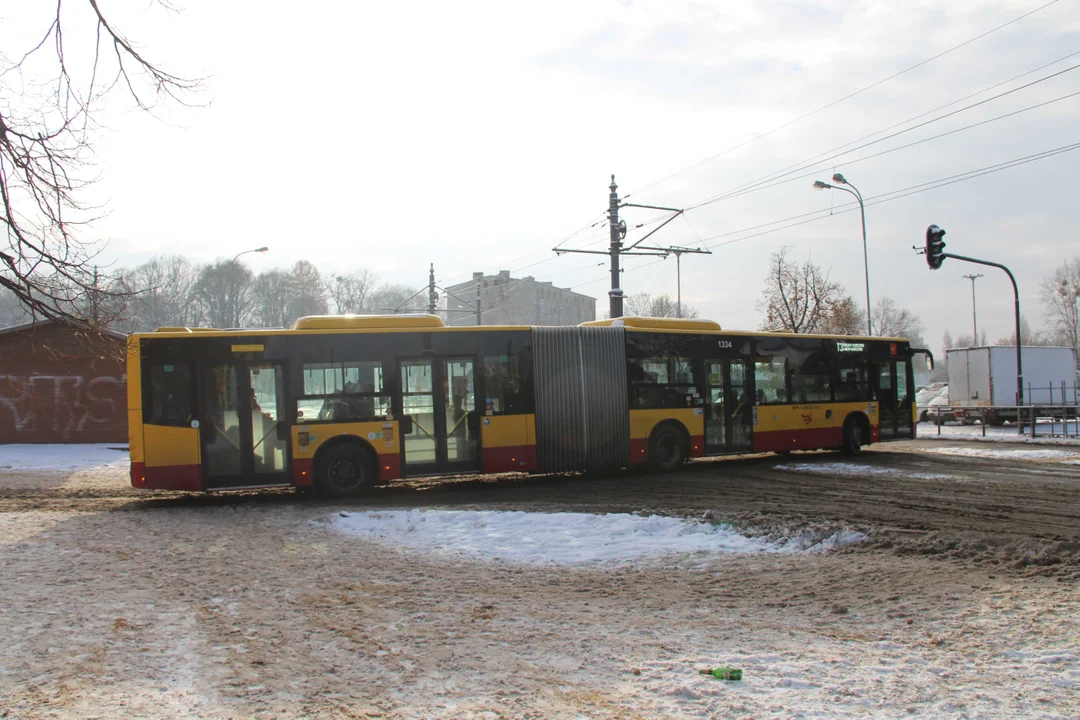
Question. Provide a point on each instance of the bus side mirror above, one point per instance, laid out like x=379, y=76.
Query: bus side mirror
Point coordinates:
x=282, y=431
x=406, y=425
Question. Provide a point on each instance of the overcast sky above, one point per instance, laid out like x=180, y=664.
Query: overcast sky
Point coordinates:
x=479, y=135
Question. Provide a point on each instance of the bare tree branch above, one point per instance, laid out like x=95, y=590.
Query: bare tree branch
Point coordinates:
x=46, y=133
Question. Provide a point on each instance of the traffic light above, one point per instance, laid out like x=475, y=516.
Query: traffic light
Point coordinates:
x=935, y=247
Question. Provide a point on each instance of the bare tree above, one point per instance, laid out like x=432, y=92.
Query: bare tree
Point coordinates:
x=644, y=304
x=271, y=294
x=798, y=297
x=352, y=292
x=1061, y=301
x=12, y=312
x=49, y=95
x=308, y=292
x=222, y=293
x=399, y=298
x=891, y=321
x=1028, y=336
x=160, y=293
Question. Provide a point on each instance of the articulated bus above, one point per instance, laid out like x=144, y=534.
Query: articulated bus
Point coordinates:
x=342, y=403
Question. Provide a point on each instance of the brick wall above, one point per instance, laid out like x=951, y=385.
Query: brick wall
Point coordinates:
x=57, y=388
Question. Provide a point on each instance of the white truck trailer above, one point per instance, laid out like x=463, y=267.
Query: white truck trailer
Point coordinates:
x=982, y=382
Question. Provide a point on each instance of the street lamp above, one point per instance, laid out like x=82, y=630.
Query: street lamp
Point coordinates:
x=974, y=321
x=838, y=178
x=263, y=249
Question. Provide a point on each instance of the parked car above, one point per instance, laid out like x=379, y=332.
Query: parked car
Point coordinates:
x=925, y=396
x=938, y=410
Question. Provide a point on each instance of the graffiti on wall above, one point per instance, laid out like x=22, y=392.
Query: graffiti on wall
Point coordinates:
x=63, y=407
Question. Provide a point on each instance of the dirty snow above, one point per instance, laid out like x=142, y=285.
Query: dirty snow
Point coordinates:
x=1005, y=453
x=855, y=470
x=63, y=457
x=566, y=538
x=198, y=607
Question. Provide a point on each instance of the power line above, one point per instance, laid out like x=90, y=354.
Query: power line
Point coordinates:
x=805, y=218
x=776, y=178
x=738, y=191
x=915, y=117
x=597, y=220
x=846, y=97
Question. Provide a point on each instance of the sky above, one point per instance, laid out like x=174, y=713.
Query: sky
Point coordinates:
x=480, y=135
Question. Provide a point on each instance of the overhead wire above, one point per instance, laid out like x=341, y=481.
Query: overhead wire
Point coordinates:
x=847, y=97
x=776, y=178
x=921, y=115
x=597, y=220
x=816, y=215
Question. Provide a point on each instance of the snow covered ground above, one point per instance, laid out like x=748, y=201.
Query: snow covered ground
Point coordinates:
x=1066, y=456
x=567, y=538
x=1046, y=433
x=63, y=457
x=849, y=469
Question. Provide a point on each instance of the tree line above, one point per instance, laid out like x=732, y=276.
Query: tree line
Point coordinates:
x=171, y=291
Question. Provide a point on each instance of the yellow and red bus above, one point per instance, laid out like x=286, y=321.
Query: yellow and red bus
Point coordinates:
x=342, y=403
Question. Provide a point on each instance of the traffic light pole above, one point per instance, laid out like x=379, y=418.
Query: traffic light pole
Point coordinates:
x=1016, y=298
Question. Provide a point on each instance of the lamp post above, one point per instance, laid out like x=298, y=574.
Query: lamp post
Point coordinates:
x=263, y=249
x=974, y=323
x=838, y=178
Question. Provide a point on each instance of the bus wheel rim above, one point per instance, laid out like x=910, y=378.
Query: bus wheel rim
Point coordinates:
x=346, y=473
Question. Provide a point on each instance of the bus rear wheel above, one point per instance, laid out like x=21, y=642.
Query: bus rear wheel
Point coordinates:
x=345, y=470
x=667, y=448
x=853, y=436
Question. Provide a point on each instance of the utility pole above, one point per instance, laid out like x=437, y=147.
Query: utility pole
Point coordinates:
x=478, y=313
x=974, y=321
x=616, y=250
x=618, y=232
x=432, y=296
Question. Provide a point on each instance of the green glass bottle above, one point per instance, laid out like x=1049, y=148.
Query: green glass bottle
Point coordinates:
x=723, y=673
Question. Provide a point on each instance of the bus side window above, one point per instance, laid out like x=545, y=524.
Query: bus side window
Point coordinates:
x=770, y=379
x=853, y=385
x=502, y=385
x=169, y=397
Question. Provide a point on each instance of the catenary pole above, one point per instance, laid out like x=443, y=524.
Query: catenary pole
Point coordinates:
x=615, y=295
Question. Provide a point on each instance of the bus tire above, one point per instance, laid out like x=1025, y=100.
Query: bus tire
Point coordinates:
x=667, y=448
x=854, y=436
x=344, y=470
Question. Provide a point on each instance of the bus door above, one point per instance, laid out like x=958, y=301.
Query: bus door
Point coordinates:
x=438, y=396
x=243, y=424
x=894, y=398
x=729, y=414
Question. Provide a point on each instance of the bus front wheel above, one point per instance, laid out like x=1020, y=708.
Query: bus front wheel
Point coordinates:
x=667, y=448
x=345, y=470
x=853, y=436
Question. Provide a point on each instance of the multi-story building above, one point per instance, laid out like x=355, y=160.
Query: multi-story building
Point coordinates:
x=512, y=301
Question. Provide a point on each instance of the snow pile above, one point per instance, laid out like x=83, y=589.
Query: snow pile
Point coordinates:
x=566, y=538
x=1005, y=454
x=63, y=457
x=853, y=470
